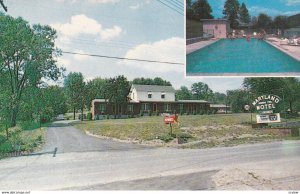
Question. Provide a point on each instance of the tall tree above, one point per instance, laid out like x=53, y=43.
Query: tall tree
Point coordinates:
x=237, y=99
x=27, y=56
x=75, y=90
x=189, y=10
x=183, y=93
x=148, y=81
x=95, y=89
x=202, y=10
x=231, y=11
x=264, y=21
x=281, y=23
x=219, y=98
x=244, y=14
x=117, y=90
x=201, y=91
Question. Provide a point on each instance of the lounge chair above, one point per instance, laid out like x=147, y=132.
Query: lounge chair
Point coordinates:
x=293, y=42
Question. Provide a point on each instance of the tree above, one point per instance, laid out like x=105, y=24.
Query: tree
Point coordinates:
x=202, y=10
x=189, y=10
x=95, y=89
x=219, y=98
x=231, y=11
x=264, y=21
x=237, y=99
x=254, y=22
x=201, y=91
x=244, y=14
x=27, y=56
x=148, y=81
x=75, y=90
x=117, y=90
x=183, y=93
x=281, y=23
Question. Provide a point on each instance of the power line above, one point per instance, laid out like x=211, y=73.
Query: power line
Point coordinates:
x=4, y=7
x=170, y=7
x=121, y=58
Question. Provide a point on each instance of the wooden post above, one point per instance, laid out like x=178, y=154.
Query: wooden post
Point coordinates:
x=171, y=132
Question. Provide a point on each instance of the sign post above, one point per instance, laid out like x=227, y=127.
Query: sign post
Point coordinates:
x=170, y=119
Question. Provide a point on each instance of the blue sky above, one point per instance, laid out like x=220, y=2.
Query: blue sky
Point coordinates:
x=143, y=29
x=270, y=7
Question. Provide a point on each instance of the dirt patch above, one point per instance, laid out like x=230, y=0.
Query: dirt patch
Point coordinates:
x=240, y=179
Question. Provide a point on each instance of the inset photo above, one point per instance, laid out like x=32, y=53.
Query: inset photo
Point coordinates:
x=242, y=38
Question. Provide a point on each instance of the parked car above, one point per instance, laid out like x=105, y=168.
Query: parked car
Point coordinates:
x=60, y=117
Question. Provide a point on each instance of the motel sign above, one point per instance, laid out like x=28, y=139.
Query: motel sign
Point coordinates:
x=266, y=104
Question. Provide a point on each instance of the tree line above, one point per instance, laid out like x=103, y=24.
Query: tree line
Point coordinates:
x=237, y=14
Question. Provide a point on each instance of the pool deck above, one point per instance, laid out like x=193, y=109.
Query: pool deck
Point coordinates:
x=293, y=51
x=198, y=45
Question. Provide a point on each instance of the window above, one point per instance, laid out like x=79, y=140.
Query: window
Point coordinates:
x=130, y=108
x=181, y=107
x=167, y=107
x=102, y=108
x=145, y=107
x=163, y=95
x=149, y=95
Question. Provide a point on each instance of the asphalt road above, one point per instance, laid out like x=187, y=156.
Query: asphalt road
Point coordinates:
x=68, y=139
x=88, y=163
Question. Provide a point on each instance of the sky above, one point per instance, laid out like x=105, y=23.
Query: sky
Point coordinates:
x=255, y=7
x=142, y=29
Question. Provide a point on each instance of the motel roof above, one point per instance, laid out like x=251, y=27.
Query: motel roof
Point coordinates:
x=214, y=20
x=219, y=106
x=193, y=101
x=153, y=88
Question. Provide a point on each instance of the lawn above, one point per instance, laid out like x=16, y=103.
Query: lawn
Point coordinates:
x=198, y=130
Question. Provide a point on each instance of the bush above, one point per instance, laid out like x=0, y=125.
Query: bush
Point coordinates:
x=184, y=135
x=295, y=132
x=166, y=138
x=89, y=116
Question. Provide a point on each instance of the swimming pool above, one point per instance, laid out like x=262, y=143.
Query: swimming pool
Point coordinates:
x=240, y=57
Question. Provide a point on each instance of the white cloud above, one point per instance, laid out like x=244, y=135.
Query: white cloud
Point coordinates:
x=139, y=5
x=292, y=2
x=81, y=24
x=63, y=62
x=169, y=50
x=80, y=57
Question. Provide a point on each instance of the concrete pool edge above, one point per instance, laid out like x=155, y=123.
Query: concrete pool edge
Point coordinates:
x=284, y=51
x=282, y=74
x=199, y=45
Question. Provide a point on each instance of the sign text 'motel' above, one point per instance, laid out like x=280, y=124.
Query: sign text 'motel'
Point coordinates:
x=266, y=102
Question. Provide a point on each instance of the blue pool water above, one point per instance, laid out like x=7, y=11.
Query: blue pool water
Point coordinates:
x=240, y=56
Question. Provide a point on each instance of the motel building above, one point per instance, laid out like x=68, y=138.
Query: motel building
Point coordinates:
x=146, y=100
x=216, y=27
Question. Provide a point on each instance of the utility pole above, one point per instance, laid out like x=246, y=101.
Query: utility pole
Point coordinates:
x=4, y=7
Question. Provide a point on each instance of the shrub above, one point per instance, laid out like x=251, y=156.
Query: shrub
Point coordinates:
x=89, y=116
x=295, y=132
x=166, y=138
x=185, y=135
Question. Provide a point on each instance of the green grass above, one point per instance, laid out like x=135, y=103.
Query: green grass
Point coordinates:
x=201, y=130
x=21, y=141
